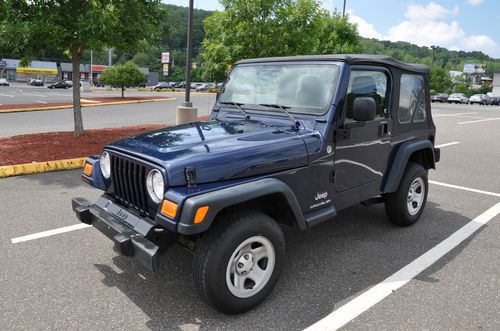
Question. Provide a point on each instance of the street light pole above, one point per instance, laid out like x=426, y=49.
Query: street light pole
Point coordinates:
x=343, y=10
x=187, y=101
x=186, y=113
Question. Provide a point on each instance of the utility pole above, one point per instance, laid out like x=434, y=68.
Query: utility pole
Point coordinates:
x=91, y=73
x=187, y=113
x=343, y=10
x=110, y=57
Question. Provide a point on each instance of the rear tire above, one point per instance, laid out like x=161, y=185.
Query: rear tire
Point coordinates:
x=238, y=261
x=405, y=206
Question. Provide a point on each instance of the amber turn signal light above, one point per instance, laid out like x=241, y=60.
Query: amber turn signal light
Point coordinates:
x=87, y=169
x=169, y=208
x=200, y=214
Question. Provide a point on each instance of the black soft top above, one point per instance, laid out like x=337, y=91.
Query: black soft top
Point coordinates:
x=349, y=58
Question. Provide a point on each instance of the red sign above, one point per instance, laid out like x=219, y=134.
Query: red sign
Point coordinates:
x=96, y=67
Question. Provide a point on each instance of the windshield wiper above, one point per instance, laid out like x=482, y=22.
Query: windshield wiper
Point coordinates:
x=283, y=109
x=238, y=106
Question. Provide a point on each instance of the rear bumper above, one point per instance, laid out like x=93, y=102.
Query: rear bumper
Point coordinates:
x=128, y=232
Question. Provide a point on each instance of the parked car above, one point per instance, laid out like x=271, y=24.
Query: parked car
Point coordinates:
x=4, y=82
x=440, y=97
x=35, y=82
x=196, y=85
x=59, y=84
x=458, y=98
x=162, y=86
x=224, y=187
x=495, y=100
x=481, y=99
x=204, y=87
x=180, y=85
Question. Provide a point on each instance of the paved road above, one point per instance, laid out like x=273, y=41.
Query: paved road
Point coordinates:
x=102, y=116
x=75, y=280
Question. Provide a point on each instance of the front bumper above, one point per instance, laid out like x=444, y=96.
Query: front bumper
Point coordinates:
x=128, y=231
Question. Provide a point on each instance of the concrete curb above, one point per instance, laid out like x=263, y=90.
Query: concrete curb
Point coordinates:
x=83, y=105
x=38, y=167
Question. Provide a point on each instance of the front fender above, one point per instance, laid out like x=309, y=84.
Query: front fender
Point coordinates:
x=220, y=199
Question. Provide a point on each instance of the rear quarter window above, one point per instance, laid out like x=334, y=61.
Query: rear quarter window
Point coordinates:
x=412, y=105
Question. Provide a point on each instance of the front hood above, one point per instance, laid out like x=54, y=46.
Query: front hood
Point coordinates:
x=218, y=150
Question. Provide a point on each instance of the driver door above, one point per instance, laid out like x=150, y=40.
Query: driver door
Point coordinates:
x=362, y=147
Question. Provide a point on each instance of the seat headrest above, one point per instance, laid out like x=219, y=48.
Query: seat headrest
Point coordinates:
x=363, y=85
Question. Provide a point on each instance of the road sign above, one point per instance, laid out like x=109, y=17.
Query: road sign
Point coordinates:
x=165, y=57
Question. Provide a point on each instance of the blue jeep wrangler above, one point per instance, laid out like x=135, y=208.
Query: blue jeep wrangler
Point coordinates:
x=290, y=142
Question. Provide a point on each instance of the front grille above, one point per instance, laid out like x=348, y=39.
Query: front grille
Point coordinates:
x=129, y=180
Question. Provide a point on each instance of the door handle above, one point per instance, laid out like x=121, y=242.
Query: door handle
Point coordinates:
x=382, y=128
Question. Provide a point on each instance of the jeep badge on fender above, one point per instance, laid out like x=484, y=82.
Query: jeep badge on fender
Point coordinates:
x=290, y=142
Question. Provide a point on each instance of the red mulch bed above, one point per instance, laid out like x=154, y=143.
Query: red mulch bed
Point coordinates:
x=39, y=147
x=61, y=145
x=58, y=104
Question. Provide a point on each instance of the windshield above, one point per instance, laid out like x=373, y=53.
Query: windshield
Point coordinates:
x=301, y=88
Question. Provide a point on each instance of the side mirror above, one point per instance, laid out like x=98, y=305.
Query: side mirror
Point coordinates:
x=364, y=109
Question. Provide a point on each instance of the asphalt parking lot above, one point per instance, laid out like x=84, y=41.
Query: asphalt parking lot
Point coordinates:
x=93, y=117
x=74, y=280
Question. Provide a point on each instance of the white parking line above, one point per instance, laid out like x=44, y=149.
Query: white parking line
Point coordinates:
x=7, y=95
x=40, y=101
x=448, y=144
x=49, y=233
x=457, y=114
x=377, y=293
x=36, y=95
x=465, y=188
x=477, y=121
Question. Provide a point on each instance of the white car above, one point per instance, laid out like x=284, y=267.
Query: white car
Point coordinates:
x=458, y=98
x=205, y=87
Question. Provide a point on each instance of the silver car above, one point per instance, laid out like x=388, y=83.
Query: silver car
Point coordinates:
x=481, y=99
x=458, y=98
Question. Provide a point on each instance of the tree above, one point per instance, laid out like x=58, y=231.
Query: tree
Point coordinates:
x=27, y=27
x=260, y=28
x=141, y=59
x=440, y=80
x=123, y=75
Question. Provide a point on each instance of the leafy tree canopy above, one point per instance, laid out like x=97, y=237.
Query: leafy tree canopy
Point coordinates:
x=260, y=28
x=27, y=27
x=439, y=80
x=123, y=75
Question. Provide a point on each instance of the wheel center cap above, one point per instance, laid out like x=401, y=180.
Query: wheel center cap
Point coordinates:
x=245, y=264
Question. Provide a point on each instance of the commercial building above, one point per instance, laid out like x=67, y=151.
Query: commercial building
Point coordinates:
x=496, y=85
x=53, y=71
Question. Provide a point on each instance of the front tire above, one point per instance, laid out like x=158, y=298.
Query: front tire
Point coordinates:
x=238, y=261
x=405, y=206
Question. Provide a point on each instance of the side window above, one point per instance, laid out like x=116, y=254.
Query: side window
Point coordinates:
x=368, y=83
x=411, y=99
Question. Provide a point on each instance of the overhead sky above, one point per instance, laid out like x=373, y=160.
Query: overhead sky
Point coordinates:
x=457, y=25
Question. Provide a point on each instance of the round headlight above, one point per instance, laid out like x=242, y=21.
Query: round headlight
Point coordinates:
x=105, y=163
x=155, y=185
